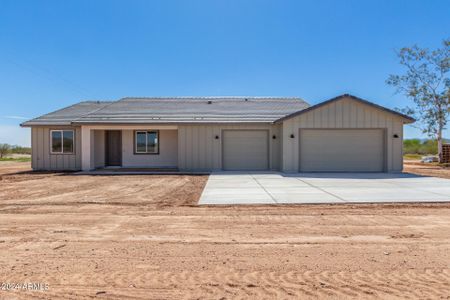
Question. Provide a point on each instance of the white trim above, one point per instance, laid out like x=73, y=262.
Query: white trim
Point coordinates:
x=132, y=127
x=62, y=141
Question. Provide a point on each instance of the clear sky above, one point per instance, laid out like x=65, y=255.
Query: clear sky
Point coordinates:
x=56, y=53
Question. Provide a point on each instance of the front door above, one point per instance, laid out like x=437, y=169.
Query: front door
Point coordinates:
x=113, y=148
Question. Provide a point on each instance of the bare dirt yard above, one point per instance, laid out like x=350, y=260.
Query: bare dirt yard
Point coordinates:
x=144, y=237
x=419, y=168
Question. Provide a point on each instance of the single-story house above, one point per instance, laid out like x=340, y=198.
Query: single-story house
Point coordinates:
x=343, y=134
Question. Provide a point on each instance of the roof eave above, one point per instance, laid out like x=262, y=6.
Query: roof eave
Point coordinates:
x=171, y=122
x=31, y=124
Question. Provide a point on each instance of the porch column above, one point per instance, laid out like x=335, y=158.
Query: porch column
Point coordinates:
x=86, y=148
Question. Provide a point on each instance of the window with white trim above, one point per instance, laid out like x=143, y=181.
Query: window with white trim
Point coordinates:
x=62, y=141
x=146, y=142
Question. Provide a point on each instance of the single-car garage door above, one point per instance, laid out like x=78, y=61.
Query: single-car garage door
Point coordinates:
x=342, y=150
x=245, y=150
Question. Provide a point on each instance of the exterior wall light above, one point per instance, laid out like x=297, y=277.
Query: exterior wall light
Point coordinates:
x=216, y=137
x=274, y=137
x=395, y=136
x=292, y=136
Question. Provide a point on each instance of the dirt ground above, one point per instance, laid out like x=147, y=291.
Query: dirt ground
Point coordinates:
x=143, y=237
x=426, y=169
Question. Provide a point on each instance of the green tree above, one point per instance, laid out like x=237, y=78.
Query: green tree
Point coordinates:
x=429, y=147
x=411, y=146
x=20, y=150
x=427, y=83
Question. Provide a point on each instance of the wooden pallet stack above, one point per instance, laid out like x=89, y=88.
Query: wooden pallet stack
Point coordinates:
x=446, y=153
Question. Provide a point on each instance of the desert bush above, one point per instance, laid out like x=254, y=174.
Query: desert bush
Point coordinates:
x=4, y=149
x=416, y=146
x=20, y=150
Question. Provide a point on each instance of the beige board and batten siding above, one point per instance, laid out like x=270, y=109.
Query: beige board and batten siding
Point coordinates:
x=199, y=150
x=42, y=159
x=166, y=158
x=345, y=113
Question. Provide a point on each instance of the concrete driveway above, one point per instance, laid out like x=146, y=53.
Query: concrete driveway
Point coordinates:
x=277, y=188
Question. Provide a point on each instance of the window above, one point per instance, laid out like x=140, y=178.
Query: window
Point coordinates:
x=62, y=141
x=146, y=142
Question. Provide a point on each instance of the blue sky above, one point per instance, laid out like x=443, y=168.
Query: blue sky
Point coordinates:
x=56, y=53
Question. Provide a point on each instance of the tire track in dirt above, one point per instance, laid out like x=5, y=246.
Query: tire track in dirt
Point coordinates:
x=233, y=283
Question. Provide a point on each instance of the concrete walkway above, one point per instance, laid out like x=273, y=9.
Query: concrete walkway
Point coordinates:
x=277, y=188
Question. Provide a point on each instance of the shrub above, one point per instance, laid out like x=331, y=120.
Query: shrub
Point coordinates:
x=4, y=149
x=416, y=146
x=20, y=150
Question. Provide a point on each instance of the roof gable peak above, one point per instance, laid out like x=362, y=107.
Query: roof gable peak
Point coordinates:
x=352, y=97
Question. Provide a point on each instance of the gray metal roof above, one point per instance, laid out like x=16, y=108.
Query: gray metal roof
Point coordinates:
x=66, y=115
x=174, y=110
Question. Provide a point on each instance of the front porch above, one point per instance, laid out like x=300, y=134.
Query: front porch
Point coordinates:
x=125, y=147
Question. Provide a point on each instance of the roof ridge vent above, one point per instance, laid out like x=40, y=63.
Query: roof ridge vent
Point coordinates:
x=209, y=102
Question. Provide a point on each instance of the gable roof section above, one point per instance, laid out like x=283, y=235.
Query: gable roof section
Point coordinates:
x=408, y=119
x=66, y=115
x=189, y=110
x=175, y=110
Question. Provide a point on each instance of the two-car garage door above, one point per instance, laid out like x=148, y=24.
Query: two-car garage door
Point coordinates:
x=245, y=150
x=342, y=150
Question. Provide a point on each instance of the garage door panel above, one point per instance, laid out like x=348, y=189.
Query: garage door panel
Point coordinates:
x=346, y=150
x=245, y=150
